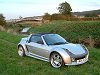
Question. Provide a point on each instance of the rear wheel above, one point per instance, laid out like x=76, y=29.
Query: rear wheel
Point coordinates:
x=21, y=51
x=56, y=60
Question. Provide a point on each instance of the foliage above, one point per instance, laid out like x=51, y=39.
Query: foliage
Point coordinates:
x=47, y=16
x=12, y=64
x=54, y=17
x=15, y=28
x=88, y=17
x=2, y=20
x=91, y=15
x=97, y=12
x=65, y=8
x=58, y=17
x=72, y=30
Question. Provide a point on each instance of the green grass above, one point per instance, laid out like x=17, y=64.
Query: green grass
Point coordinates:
x=71, y=30
x=12, y=64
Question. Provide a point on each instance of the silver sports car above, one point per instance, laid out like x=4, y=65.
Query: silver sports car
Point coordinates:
x=54, y=49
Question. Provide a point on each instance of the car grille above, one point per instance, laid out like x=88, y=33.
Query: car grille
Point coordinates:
x=80, y=58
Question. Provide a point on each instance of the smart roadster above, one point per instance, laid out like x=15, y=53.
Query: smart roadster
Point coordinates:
x=54, y=49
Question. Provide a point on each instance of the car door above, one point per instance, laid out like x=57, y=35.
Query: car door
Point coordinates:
x=36, y=46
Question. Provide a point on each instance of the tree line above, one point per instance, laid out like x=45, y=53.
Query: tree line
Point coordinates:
x=66, y=14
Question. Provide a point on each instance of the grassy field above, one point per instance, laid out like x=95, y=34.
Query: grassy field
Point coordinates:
x=12, y=64
x=75, y=28
x=72, y=30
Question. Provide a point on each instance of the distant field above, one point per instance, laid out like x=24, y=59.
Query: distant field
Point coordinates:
x=12, y=64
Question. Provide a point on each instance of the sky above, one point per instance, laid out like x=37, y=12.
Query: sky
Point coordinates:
x=12, y=9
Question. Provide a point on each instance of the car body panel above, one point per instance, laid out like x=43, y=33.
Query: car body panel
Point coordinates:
x=74, y=48
x=38, y=49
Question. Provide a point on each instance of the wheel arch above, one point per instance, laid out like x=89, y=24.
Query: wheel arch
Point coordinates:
x=52, y=53
x=19, y=46
x=24, y=47
x=55, y=52
x=64, y=55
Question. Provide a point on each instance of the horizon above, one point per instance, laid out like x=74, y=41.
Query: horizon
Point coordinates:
x=13, y=9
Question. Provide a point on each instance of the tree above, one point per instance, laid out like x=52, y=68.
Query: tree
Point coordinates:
x=2, y=20
x=56, y=16
x=20, y=17
x=65, y=9
x=47, y=16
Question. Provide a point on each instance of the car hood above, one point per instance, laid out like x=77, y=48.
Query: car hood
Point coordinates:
x=76, y=49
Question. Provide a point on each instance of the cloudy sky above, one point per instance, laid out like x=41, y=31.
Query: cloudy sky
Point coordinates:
x=14, y=8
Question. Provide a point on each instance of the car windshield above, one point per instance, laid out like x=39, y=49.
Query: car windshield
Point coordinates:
x=54, y=39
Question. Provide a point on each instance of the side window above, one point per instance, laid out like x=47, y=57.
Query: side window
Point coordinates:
x=36, y=39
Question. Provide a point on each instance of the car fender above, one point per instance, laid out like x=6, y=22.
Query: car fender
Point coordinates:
x=63, y=53
x=24, y=47
x=23, y=43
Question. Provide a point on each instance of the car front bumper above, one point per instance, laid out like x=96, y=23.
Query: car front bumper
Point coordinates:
x=78, y=62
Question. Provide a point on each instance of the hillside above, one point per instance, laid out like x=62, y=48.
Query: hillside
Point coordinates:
x=72, y=30
x=12, y=64
x=87, y=12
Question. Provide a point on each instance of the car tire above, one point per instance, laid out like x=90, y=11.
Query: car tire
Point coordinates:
x=21, y=51
x=56, y=60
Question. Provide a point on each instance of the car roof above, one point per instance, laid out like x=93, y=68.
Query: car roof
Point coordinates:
x=40, y=34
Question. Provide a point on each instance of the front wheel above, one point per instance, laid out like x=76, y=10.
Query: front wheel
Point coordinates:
x=21, y=51
x=56, y=60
